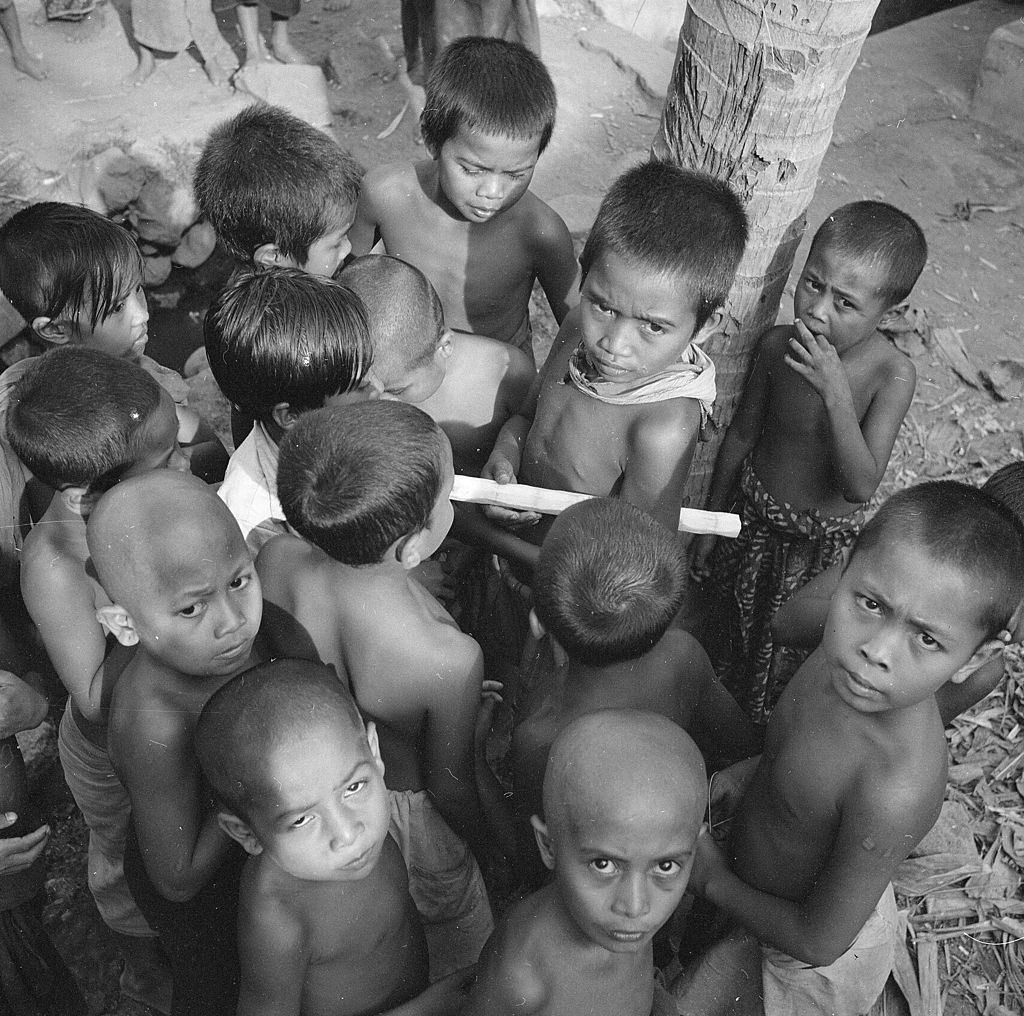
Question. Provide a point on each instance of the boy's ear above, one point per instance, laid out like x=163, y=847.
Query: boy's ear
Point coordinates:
x=119, y=623
x=283, y=416
x=56, y=333
x=240, y=832
x=374, y=742
x=988, y=650
x=408, y=550
x=268, y=255
x=536, y=628
x=713, y=324
x=446, y=344
x=892, y=314
x=543, y=837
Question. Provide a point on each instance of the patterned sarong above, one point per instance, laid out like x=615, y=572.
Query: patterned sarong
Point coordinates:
x=779, y=549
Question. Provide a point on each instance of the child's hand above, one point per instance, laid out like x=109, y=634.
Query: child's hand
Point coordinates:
x=447, y=996
x=815, y=359
x=725, y=789
x=490, y=699
x=702, y=550
x=501, y=470
x=709, y=862
x=20, y=852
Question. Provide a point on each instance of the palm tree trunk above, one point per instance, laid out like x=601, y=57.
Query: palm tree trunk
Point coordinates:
x=754, y=94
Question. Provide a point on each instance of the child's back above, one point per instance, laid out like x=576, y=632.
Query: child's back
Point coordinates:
x=854, y=769
x=607, y=587
x=465, y=217
x=368, y=486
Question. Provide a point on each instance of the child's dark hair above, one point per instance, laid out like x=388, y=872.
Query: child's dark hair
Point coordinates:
x=62, y=261
x=403, y=310
x=1007, y=486
x=608, y=582
x=964, y=528
x=279, y=335
x=265, y=176
x=874, y=232
x=245, y=719
x=490, y=86
x=355, y=479
x=78, y=417
x=673, y=221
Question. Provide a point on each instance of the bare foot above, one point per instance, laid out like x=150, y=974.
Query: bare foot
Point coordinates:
x=28, y=64
x=287, y=53
x=282, y=45
x=146, y=66
x=218, y=74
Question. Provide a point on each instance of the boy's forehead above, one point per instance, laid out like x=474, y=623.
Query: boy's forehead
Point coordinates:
x=193, y=550
x=642, y=288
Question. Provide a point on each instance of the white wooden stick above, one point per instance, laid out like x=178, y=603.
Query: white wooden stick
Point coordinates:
x=522, y=497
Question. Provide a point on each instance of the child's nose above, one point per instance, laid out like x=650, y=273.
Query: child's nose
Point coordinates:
x=231, y=619
x=491, y=187
x=344, y=830
x=616, y=336
x=877, y=649
x=141, y=308
x=632, y=899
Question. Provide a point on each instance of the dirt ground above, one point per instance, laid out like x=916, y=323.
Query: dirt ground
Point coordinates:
x=903, y=135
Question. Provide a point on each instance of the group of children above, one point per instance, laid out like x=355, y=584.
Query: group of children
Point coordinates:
x=281, y=739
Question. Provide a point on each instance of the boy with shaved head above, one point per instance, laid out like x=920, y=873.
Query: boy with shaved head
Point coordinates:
x=623, y=801
x=470, y=385
x=183, y=589
x=327, y=921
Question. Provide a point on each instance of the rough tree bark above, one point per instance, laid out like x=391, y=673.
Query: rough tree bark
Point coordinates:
x=754, y=94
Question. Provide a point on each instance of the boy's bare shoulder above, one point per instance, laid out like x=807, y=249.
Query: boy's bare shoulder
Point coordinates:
x=391, y=179
x=283, y=551
x=52, y=557
x=516, y=960
x=886, y=355
x=665, y=426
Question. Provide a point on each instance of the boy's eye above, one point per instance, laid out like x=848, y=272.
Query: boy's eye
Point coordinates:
x=354, y=788
x=471, y=171
x=240, y=582
x=927, y=641
x=812, y=283
x=193, y=610
x=654, y=328
x=600, y=306
x=302, y=820
x=602, y=865
x=669, y=867
x=868, y=604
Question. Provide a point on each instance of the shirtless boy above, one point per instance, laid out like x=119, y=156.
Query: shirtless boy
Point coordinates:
x=470, y=385
x=278, y=191
x=609, y=582
x=184, y=591
x=801, y=619
x=854, y=767
x=619, y=404
x=623, y=800
x=466, y=217
x=367, y=488
x=327, y=926
x=81, y=420
x=810, y=439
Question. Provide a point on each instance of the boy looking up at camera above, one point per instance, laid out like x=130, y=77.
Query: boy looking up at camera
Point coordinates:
x=184, y=592
x=367, y=489
x=810, y=440
x=854, y=767
x=278, y=191
x=619, y=404
x=466, y=217
x=624, y=794
x=327, y=925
